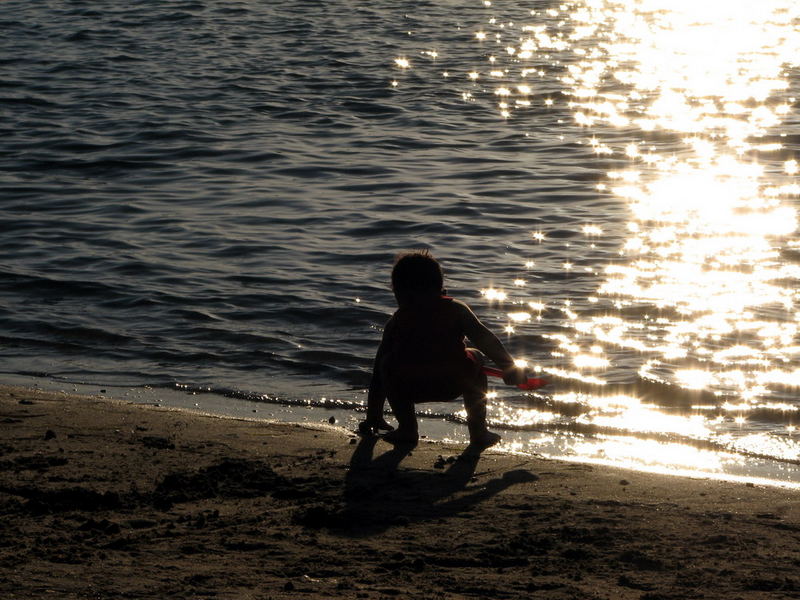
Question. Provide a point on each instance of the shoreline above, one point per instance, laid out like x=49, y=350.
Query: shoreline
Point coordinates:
x=113, y=499
x=734, y=467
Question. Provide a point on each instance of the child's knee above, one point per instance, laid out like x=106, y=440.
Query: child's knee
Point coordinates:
x=472, y=404
x=403, y=409
x=477, y=386
x=400, y=403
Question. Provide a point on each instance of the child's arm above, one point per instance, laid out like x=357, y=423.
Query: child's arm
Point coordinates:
x=488, y=343
x=377, y=390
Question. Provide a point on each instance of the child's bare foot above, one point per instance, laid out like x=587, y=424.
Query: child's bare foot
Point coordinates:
x=368, y=427
x=484, y=439
x=401, y=436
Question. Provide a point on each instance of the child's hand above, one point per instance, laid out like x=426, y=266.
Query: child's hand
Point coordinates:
x=515, y=375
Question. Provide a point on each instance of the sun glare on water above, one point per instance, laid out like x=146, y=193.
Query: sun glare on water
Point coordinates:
x=689, y=99
x=706, y=224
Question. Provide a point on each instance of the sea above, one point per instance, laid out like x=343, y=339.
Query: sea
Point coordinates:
x=201, y=201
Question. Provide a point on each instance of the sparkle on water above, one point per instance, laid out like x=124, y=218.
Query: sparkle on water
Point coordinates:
x=702, y=298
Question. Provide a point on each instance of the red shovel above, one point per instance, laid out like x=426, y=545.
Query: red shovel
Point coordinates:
x=532, y=384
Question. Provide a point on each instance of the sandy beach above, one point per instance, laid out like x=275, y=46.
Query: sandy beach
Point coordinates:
x=107, y=499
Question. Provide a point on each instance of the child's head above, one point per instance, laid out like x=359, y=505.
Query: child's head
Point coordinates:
x=416, y=274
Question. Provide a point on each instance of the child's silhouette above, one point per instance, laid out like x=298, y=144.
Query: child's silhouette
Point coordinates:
x=423, y=356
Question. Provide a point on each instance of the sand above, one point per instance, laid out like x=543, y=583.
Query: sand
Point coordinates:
x=107, y=499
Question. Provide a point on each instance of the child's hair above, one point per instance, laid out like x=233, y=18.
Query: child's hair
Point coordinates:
x=418, y=272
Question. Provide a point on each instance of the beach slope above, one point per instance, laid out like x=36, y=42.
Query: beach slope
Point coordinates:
x=106, y=499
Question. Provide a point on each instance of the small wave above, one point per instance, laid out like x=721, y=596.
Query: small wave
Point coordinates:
x=27, y=101
x=106, y=167
x=48, y=286
x=371, y=108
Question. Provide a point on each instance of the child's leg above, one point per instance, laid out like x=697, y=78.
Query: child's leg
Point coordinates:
x=475, y=405
x=403, y=409
x=374, y=420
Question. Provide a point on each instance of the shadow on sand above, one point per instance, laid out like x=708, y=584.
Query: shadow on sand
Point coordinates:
x=379, y=495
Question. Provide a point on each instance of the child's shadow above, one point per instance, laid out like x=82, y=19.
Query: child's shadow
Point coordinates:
x=377, y=495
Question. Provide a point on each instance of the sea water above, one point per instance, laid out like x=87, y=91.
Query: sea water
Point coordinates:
x=201, y=201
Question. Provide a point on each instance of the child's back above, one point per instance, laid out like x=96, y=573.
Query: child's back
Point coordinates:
x=425, y=354
x=428, y=331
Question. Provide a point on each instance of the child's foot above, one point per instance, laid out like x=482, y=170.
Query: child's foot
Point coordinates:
x=400, y=436
x=484, y=439
x=373, y=427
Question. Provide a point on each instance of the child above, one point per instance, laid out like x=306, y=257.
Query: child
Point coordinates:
x=423, y=357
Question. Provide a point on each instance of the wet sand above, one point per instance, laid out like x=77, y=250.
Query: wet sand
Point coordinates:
x=106, y=499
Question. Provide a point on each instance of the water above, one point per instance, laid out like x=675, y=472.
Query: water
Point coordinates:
x=207, y=196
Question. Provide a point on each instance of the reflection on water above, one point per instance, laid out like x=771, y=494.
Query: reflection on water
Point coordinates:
x=696, y=324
